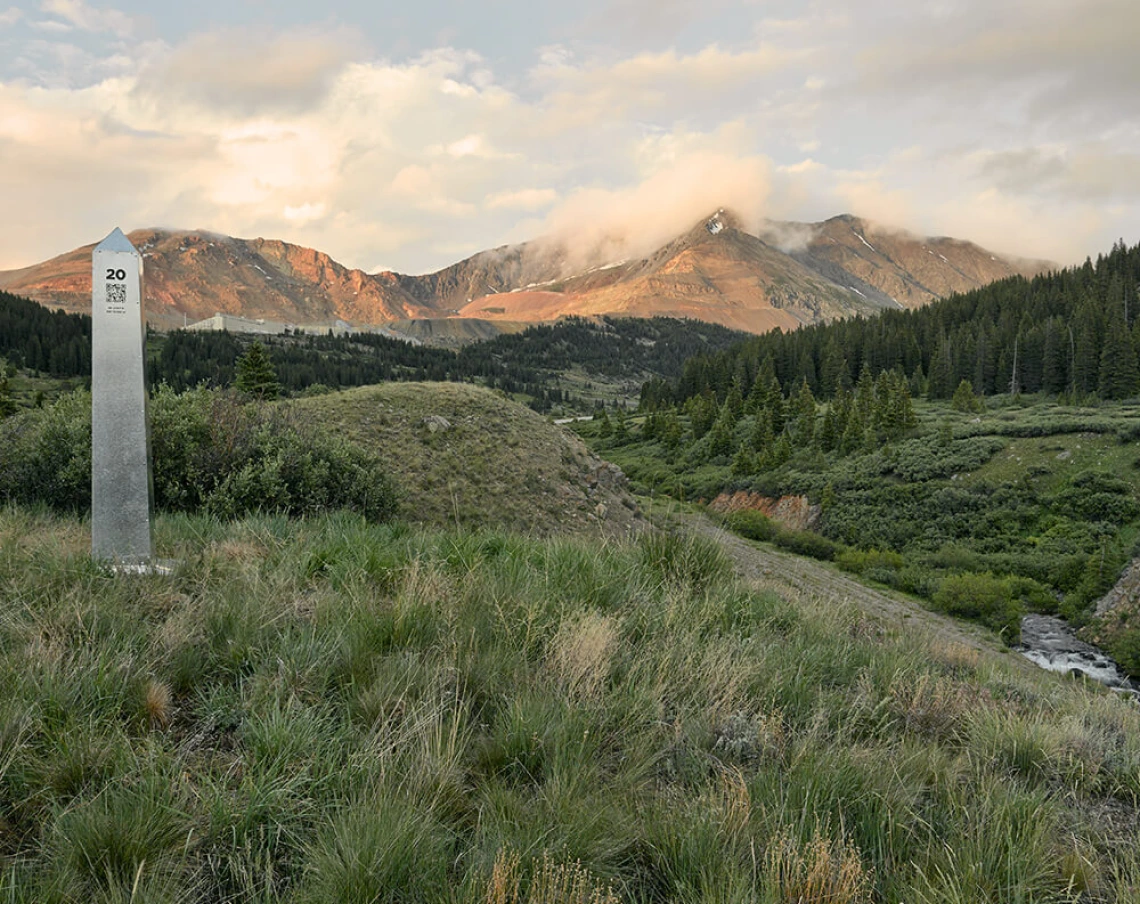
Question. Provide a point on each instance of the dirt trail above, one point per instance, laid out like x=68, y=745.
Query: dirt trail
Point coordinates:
x=769, y=569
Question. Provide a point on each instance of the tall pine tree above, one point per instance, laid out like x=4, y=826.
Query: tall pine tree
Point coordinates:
x=256, y=375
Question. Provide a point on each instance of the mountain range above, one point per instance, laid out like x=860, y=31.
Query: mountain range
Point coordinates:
x=781, y=275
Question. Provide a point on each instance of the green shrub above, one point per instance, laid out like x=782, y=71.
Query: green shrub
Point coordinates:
x=953, y=557
x=917, y=580
x=210, y=452
x=859, y=561
x=984, y=598
x=808, y=543
x=931, y=456
x=47, y=455
x=1125, y=649
x=1096, y=496
x=751, y=524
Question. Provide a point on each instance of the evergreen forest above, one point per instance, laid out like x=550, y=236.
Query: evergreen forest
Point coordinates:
x=1074, y=332
x=530, y=364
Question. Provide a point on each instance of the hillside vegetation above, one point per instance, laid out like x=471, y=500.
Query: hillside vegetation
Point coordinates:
x=1022, y=507
x=430, y=453
x=463, y=455
x=324, y=710
x=1022, y=493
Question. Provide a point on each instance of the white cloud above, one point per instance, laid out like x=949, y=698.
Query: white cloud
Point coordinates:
x=245, y=72
x=10, y=16
x=577, y=95
x=89, y=18
x=305, y=213
x=52, y=25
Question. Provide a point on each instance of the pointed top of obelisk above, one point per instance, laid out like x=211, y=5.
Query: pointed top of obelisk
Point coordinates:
x=116, y=241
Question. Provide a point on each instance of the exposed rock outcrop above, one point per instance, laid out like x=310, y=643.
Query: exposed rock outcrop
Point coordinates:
x=795, y=512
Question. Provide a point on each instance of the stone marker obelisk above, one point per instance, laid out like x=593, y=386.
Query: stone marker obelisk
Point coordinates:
x=122, y=496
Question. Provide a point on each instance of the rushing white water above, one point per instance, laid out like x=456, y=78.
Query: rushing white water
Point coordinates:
x=1050, y=643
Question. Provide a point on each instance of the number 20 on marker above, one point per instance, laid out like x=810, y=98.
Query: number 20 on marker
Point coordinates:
x=112, y=273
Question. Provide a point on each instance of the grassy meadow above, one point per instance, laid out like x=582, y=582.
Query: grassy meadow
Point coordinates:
x=323, y=709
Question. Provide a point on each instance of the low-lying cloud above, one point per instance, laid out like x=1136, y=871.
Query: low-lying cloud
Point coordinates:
x=605, y=225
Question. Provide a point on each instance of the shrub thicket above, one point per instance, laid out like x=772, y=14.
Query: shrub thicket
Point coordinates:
x=751, y=524
x=210, y=451
x=808, y=543
x=983, y=597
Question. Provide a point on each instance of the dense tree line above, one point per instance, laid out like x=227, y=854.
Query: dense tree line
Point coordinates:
x=612, y=347
x=1075, y=331
x=763, y=430
x=530, y=362
x=53, y=342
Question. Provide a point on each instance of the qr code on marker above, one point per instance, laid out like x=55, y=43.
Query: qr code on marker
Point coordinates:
x=116, y=294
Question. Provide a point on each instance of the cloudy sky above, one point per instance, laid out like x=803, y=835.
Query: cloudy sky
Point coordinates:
x=409, y=135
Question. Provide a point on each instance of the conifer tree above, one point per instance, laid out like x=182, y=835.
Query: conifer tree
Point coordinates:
x=780, y=452
x=605, y=428
x=7, y=403
x=832, y=366
x=854, y=433
x=762, y=435
x=828, y=434
x=1055, y=363
x=255, y=374
x=734, y=403
x=702, y=411
x=777, y=409
x=621, y=428
x=651, y=427
x=804, y=408
x=918, y=381
x=744, y=462
x=720, y=437
x=1086, y=362
x=1119, y=375
x=964, y=398
x=941, y=372
x=757, y=396
x=669, y=430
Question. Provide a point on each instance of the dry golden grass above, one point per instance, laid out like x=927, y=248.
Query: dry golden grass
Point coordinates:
x=551, y=883
x=157, y=704
x=958, y=658
x=732, y=801
x=933, y=706
x=824, y=871
x=580, y=655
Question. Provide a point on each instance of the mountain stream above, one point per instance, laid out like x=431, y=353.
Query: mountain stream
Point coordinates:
x=1051, y=643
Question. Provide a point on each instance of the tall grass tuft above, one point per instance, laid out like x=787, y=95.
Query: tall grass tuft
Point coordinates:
x=823, y=871
x=380, y=848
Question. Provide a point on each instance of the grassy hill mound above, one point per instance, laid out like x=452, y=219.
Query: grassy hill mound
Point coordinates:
x=463, y=455
x=327, y=710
